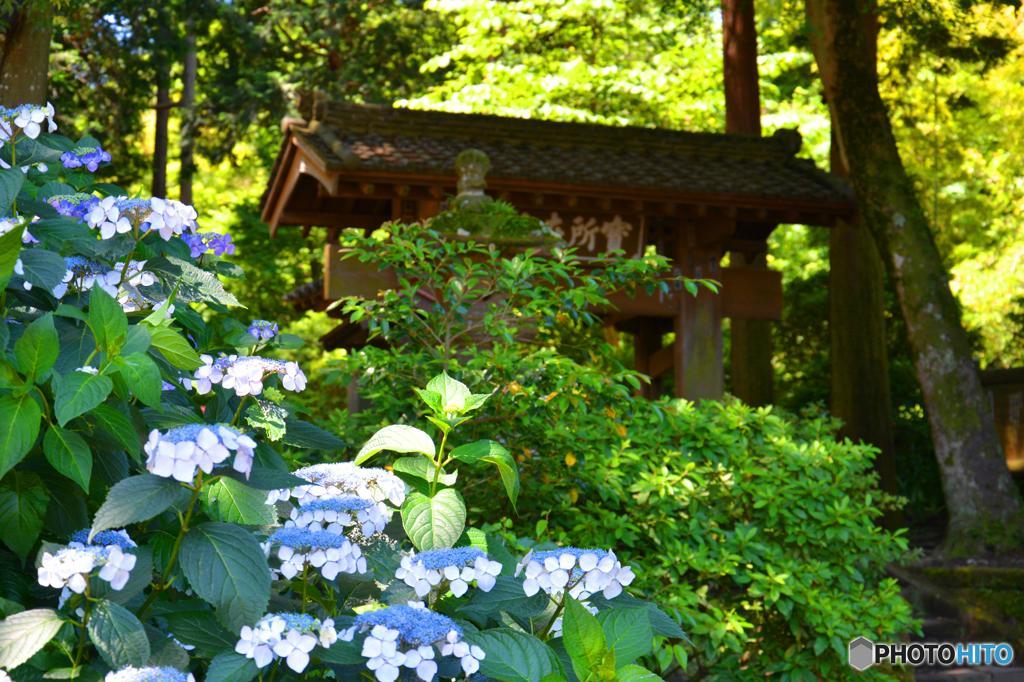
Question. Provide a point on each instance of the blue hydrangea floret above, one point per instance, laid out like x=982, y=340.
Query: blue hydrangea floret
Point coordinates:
x=329, y=553
x=411, y=636
x=149, y=674
x=455, y=569
x=339, y=514
x=285, y=636
x=179, y=452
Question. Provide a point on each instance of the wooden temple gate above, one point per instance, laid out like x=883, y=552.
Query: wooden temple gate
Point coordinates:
x=692, y=196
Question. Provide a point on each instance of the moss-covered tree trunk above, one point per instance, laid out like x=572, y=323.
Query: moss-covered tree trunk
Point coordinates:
x=25, y=52
x=980, y=494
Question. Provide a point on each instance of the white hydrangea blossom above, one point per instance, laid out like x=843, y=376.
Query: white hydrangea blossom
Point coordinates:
x=336, y=514
x=286, y=636
x=246, y=374
x=327, y=552
x=581, y=572
x=344, y=478
x=70, y=567
x=455, y=569
x=411, y=636
x=179, y=452
x=170, y=217
x=29, y=118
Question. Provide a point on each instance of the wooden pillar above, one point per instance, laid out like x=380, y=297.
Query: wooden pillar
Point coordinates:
x=646, y=342
x=750, y=350
x=698, y=323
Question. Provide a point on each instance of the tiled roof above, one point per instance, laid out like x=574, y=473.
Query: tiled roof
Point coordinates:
x=352, y=138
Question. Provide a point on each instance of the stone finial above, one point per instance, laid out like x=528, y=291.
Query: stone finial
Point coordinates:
x=471, y=166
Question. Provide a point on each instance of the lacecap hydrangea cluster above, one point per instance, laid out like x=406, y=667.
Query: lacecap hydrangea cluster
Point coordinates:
x=343, y=478
x=119, y=215
x=448, y=569
x=263, y=330
x=90, y=158
x=200, y=243
x=337, y=514
x=245, y=374
x=411, y=636
x=329, y=553
x=179, y=452
x=27, y=119
x=70, y=567
x=581, y=572
x=285, y=636
x=149, y=674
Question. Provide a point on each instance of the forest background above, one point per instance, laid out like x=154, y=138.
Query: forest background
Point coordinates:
x=189, y=95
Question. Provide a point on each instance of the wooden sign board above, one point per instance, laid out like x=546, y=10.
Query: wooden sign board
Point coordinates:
x=594, y=234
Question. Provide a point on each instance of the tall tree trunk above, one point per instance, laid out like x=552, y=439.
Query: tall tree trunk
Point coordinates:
x=980, y=495
x=25, y=52
x=750, y=349
x=188, y=114
x=161, y=141
x=860, y=360
x=860, y=394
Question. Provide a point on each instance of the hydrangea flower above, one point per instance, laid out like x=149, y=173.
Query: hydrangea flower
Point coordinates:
x=201, y=242
x=582, y=572
x=245, y=374
x=71, y=566
x=407, y=636
x=179, y=452
x=90, y=157
x=344, y=478
x=73, y=205
x=262, y=330
x=149, y=674
x=105, y=538
x=458, y=567
x=335, y=514
x=9, y=223
x=29, y=118
x=118, y=215
x=287, y=636
x=325, y=551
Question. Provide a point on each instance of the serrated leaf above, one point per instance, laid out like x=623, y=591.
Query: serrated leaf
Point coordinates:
x=341, y=653
x=635, y=673
x=452, y=394
x=11, y=180
x=267, y=417
x=175, y=349
x=107, y=321
x=77, y=393
x=167, y=654
x=397, y=438
x=226, y=567
x=42, y=268
x=583, y=637
x=231, y=667
x=69, y=454
x=195, y=284
x=25, y=633
x=137, y=340
x=142, y=376
x=135, y=499
x=506, y=596
x=434, y=522
x=493, y=453
x=514, y=656
x=10, y=249
x=201, y=630
x=231, y=501
x=37, y=349
x=423, y=469
x=118, y=425
x=628, y=632
x=19, y=428
x=118, y=635
x=302, y=434
x=23, y=502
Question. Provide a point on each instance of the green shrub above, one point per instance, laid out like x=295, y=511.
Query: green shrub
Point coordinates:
x=756, y=526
